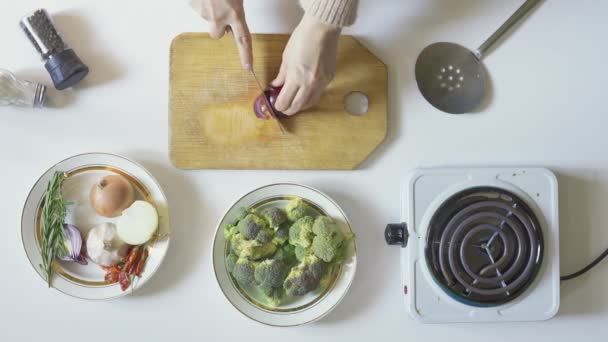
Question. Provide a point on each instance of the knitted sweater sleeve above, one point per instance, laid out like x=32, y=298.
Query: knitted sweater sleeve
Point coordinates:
x=334, y=12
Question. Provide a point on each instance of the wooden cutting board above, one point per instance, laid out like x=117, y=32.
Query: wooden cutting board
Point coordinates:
x=212, y=125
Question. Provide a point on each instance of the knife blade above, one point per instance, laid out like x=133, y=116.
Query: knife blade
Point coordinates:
x=268, y=105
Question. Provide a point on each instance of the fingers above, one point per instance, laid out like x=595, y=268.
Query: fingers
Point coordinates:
x=280, y=79
x=243, y=42
x=286, y=96
x=216, y=30
x=300, y=101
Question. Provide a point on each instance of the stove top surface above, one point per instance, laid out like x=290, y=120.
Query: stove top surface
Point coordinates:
x=483, y=244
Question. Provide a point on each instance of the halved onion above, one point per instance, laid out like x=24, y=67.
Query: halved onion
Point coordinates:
x=261, y=109
x=138, y=223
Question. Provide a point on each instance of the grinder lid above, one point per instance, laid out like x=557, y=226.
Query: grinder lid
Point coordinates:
x=66, y=69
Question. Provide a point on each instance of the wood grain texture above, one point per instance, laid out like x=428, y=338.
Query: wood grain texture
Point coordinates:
x=212, y=125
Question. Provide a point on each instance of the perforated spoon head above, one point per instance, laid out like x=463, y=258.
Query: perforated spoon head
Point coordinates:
x=451, y=78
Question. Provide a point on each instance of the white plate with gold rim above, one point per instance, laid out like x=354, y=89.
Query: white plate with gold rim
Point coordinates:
x=297, y=311
x=87, y=281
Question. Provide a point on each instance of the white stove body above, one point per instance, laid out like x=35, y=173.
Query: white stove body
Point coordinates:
x=424, y=190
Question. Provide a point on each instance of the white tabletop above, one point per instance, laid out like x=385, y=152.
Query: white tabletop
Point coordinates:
x=548, y=109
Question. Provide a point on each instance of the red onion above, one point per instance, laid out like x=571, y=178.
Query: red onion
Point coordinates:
x=260, y=108
x=74, y=246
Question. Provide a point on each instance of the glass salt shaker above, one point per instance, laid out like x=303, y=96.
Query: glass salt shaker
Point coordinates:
x=20, y=93
x=62, y=63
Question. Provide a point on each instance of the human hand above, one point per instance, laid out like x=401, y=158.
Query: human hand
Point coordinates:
x=309, y=64
x=227, y=15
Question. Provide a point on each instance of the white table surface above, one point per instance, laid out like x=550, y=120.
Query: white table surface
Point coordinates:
x=548, y=109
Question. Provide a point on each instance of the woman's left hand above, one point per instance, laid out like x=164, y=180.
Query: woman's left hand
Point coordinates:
x=309, y=64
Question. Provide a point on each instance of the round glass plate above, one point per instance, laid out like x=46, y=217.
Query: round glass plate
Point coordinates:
x=87, y=281
x=295, y=311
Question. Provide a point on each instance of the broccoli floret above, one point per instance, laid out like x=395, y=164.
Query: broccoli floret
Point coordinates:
x=327, y=247
x=275, y=216
x=286, y=254
x=301, y=252
x=324, y=226
x=251, y=225
x=327, y=243
x=273, y=295
x=265, y=235
x=229, y=231
x=244, y=272
x=300, y=233
x=306, y=276
x=252, y=249
x=240, y=214
x=316, y=266
x=271, y=272
x=326, y=279
x=296, y=209
x=300, y=281
x=230, y=261
x=281, y=236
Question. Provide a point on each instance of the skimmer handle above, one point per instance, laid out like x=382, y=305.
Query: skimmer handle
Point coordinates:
x=517, y=16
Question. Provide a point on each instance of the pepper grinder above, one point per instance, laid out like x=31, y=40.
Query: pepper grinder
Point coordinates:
x=62, y=63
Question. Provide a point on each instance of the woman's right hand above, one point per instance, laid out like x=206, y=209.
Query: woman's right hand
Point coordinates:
x=227, y=15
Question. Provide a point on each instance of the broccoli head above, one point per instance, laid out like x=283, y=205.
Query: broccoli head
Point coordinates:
x=265, y=235
x=300, y=281
x=306, y=276
x=327, y=247
x=275, y=216
x=240, y=214
x=252, y=249
x=325, y=226
x=300, y=233
x=286, y=254
x=316, y=266
x=271, y=272
x=296, y=209
x=281, y=236
x=301, y=252
x=251, y=225
x=230, y=261
x=273, y=295
x=229, y=231
x=244, y=272
x=328, y=240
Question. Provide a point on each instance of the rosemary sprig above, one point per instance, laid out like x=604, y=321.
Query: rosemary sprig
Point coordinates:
x=54, y=210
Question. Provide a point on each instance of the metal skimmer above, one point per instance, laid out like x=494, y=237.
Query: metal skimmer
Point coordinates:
x=484, y=246
x=452, y=78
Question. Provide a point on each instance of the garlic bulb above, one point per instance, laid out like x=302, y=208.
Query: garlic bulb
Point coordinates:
x=104, y=247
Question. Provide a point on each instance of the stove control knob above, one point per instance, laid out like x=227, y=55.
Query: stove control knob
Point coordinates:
x=396, y=234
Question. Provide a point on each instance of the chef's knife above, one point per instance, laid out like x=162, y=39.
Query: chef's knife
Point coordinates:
x=268, y=105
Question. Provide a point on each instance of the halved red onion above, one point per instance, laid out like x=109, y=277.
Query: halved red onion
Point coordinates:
x=74, y=245
x=260, y=108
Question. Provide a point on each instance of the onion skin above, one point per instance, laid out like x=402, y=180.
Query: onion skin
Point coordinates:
x=259, y=108
x=272, y=94
x=111, y=195
x=259, y=105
